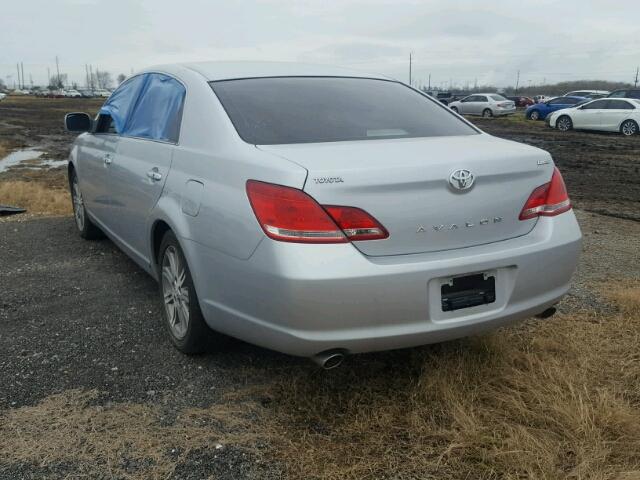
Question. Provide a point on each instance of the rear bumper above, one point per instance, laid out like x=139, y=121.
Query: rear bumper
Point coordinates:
x=304, y=299
x=504, y=111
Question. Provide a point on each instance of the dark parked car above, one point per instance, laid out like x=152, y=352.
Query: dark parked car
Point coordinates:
x=521, y=101
x=627, y=93
x=443, y=97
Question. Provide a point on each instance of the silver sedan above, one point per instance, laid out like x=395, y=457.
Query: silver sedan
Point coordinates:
x=319, y=211
x=485, y=104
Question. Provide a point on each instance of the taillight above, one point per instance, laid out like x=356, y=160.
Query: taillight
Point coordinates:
x=547, y=200
x=290, y=215
x=356, y=223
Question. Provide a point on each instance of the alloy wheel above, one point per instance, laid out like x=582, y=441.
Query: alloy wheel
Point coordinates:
x=78, y=204
x=487, y=113
x=175, y=292
x=564, y=124
x=629, y=128
x=534, y=115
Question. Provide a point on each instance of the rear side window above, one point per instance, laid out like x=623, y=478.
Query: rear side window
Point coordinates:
x=158, y=112
x=619, y=105
x=285, y=110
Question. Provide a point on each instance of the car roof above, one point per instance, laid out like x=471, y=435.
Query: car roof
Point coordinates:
x=213, y=71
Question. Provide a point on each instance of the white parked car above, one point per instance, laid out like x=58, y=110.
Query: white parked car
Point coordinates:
x=587, y=93
x=485, y=104
x=72, y=93
x=2, y=95
x=604, y=114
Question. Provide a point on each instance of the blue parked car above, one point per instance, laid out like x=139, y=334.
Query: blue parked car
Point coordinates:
x=539, y=111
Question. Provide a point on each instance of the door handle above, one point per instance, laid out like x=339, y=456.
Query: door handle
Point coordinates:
x=154, y=174
x=107, y=159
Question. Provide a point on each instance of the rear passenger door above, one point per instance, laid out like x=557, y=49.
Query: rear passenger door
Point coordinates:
x=481, y=102
x=144, y=158
x=616, y=111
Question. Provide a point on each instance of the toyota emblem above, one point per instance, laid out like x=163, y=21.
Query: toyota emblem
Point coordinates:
x=461, y=179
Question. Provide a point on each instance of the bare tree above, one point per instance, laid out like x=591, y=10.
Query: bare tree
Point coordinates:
x=57, y=81
x=121, y=78
x=2, y=85
x=103, y=79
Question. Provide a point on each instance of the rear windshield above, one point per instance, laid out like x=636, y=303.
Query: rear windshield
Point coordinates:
x=497, y=97
x=283, y=110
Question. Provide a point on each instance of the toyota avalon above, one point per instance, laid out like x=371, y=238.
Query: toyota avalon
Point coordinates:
x=319, y=211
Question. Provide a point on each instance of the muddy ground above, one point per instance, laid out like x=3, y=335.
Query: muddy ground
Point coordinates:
x=38, y=122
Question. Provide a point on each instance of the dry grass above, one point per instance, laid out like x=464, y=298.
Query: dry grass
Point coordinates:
x=35, y=197
x=70, y=428
x=558, y=399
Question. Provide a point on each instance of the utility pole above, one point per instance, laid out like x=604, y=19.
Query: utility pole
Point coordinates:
x=429, y=82
x=48, y=77
x=410, y=68
x=22, y=68
x=18, y=67
x=57, y=72
x=517, y=82
x=637, y=71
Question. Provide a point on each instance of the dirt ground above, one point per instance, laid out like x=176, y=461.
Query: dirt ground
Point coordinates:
x=90, y=387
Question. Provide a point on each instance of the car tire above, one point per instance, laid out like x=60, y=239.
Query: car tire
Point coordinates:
x=86, y=228
x=487, y=113
x=181, y=312
x=564, y=123
x=455, y=109
x=534, y=115
x=629, y=128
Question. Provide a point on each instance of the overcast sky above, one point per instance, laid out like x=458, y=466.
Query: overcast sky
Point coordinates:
x=454, y=41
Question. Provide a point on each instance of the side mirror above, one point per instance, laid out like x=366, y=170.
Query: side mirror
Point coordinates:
x=77, y=122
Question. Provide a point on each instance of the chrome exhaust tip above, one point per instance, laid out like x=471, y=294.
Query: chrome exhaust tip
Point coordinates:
x=549, y=312
x=330, y=359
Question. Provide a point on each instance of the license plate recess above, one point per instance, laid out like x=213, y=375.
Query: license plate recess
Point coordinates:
x=468, y=291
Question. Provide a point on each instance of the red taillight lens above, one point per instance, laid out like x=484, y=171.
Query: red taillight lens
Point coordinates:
x=290, y=215
x=547, y=200
x=356, y=223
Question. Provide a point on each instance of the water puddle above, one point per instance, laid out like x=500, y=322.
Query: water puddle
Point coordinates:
x=28, y=155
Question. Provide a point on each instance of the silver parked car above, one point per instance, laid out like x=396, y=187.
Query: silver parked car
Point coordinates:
x=317, y=211
x=485, y=104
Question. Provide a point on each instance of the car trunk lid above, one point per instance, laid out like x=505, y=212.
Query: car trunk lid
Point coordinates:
x=406, y=185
